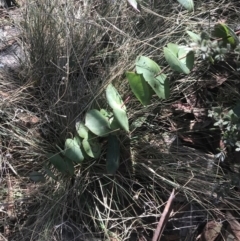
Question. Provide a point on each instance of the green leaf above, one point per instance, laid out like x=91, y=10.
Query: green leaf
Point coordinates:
x=58, y=162
x=113, y=154
x=195, y=37
x=152, y=74
x=227, y=35
x=73, y=150
x=70, y=166
x=92, y=147
x=174, y=48
x=135, y=5
x=49, y=173
x=236, y=109
x=174, y=62
x=121, y=117
x=186, y=57
x=114, y=124
x=97, y=123
x=106, y=114
x=114, y=99
x=145, y=63
x=78, y=140
x=188, y=4
x=36, y=176
x=119, y=109
x=82, y=130
x=139, y=87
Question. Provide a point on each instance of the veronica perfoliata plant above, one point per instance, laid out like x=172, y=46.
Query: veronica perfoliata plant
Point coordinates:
x=86, y=143
x=148, y=79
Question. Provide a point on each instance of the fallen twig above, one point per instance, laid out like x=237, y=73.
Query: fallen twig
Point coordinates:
x=164, y=218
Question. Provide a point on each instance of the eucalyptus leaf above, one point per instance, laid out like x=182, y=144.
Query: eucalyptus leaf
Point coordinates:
x=97, y=123
x=188, y=4
x=113, y=154
x=152, y=74
x=73, y=150
x=139, y=87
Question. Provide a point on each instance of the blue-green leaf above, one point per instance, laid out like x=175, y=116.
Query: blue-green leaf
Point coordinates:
x=119, y=109
x=227, y=35
x=73, y=150
x=82, y=130
x=182, y=61
x=114, y=124
x=113, y=154
x=195, y=37
x=58, y=162
x=135, y=5
x=188, y=4
x=36, y=176
x=186, y=57
x=49, y=173
x=139, y=87
x=152, y=74
x=92, y=147
x=97, y=123
x=174, y=48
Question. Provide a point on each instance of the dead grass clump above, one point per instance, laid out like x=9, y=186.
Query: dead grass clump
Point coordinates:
x=21, y=153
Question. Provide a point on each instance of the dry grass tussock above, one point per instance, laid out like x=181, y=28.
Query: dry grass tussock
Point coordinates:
x=73, y=50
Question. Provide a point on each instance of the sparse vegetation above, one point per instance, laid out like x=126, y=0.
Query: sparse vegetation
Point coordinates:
x=88, y=153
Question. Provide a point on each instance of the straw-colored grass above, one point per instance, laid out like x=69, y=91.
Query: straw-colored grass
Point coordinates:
x=73, y=50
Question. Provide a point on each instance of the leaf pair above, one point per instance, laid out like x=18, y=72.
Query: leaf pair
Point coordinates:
x=64, y=161
x=90, y=144
x=119, y=109
x=179, y=58
x=101, y=123
x=147, y=80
